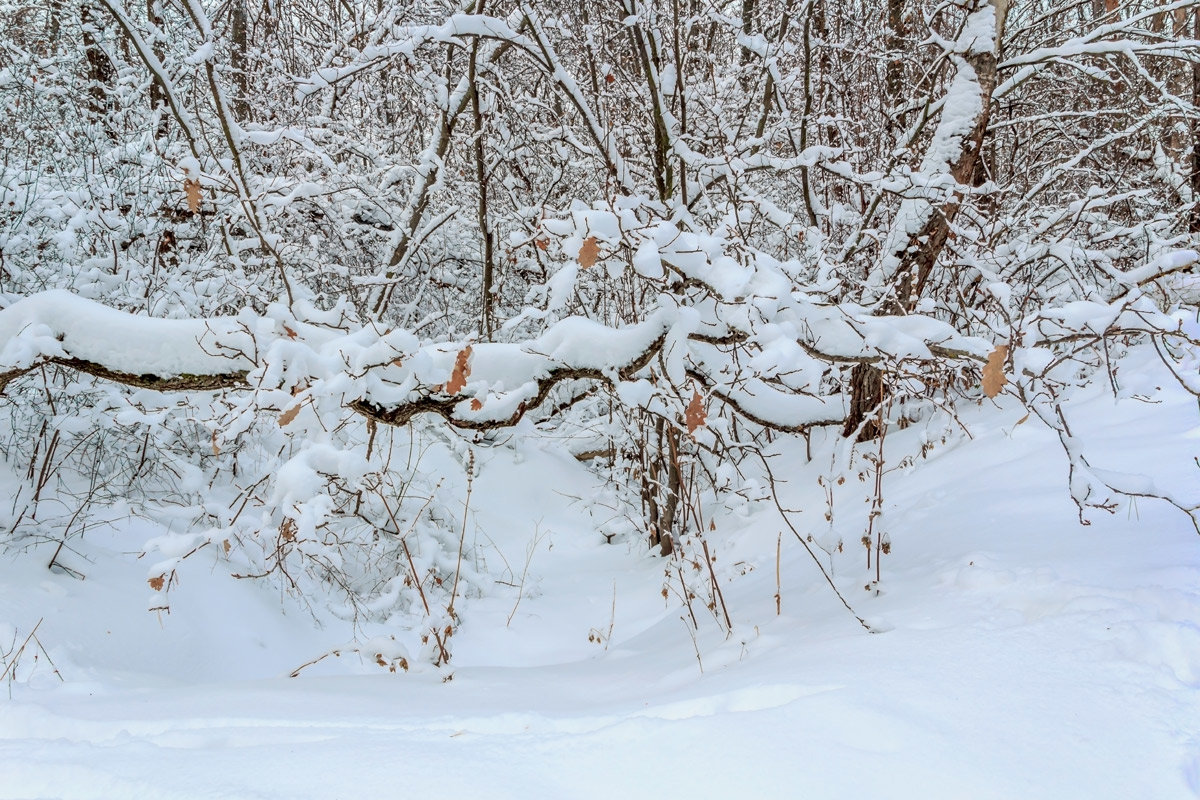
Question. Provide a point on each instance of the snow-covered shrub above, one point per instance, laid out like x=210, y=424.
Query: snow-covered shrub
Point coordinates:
x=307, y=243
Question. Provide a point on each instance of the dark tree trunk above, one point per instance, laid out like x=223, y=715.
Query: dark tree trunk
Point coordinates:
x=158, y=92
x=897, y=33
x=1194, y=215
x=100, y=72
x=866, y=393
x=487, y=298
x=239, y=60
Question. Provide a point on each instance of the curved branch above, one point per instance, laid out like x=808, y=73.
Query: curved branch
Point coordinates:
x=740, y=406
x=448, y=408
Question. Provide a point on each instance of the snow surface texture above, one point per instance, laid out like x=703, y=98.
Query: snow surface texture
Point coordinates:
x=1023, y=655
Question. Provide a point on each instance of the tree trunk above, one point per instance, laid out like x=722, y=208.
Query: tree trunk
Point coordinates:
x=866, y=380
x=100, y=72
x=486, y=315
x=158, y=92
x=1194, y=214
x=918, y=252
x=866, y=393
x=893, y=82
x=238, y=24
x=53, y=25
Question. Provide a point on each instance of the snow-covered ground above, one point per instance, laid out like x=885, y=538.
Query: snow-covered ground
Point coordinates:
x=1021, y=655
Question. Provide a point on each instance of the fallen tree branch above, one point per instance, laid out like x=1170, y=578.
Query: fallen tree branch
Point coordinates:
x=158, y=383
x=448, y=407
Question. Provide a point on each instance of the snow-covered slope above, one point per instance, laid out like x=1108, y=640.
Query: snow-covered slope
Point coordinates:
x=1021, y=655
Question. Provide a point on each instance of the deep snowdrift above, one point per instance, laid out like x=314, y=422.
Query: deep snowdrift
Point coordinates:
x=1022, y=654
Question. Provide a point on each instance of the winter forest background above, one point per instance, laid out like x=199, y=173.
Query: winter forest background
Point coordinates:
x=282, y=281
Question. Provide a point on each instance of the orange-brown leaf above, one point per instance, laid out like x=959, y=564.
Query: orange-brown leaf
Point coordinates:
x=191, y=190
x=589, y=252
x=694, y=415
x=476, y=405
x=157, y=583
x=462, y=370
x=216, y=449
x=291, y=334
x=287, y=416
x=993, y=373
x=542, y=244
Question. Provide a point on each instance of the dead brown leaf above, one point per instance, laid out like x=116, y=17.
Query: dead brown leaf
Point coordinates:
x=462, y=370
x=993, y=373
x=191, y=190
x=476, y=404
x=288, y=415
x=589, y=252
x=157, y=583
x=694, y=414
